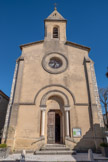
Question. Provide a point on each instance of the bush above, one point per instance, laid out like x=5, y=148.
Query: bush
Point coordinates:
x=104, y=144
x=3, y=145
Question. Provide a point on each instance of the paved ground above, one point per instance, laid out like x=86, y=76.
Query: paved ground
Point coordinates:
x=59, y=158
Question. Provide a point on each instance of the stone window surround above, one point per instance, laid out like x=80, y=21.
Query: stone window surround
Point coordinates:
x=46, y=59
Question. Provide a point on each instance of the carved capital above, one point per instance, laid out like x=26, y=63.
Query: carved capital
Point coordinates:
x=43, y=108
x=67, y=108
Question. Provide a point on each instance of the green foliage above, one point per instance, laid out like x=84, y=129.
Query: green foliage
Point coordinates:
x=104, y=144
x=3, y=145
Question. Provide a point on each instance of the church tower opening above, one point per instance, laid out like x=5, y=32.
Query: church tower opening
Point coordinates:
x=55, y=32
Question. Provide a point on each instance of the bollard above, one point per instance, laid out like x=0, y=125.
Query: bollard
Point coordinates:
x=23, y=154
x=90, y=155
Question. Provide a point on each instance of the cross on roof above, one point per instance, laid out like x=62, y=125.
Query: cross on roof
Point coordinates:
x=55, y=6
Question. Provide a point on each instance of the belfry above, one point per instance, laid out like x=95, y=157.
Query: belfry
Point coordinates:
x=54, y=97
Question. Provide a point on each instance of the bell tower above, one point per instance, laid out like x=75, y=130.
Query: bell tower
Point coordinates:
x=55, y=27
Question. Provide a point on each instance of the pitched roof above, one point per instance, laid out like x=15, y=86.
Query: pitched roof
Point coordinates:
x=77, y=45
x=32, y=43
x=55, y=15
x=4, y=95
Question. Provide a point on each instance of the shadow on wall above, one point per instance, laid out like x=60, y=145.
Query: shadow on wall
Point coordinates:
x=91, y=140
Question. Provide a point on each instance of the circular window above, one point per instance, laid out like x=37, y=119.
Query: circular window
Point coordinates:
x=55, y=63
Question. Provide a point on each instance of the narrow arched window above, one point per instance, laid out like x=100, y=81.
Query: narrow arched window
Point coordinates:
x=55, y=32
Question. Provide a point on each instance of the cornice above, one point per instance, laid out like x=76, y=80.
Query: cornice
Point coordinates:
x=32, y=43
x=77, y=45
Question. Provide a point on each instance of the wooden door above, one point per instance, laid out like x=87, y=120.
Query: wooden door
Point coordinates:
x=51, y=127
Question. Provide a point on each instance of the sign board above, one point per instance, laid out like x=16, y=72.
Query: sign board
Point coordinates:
x=76, y=132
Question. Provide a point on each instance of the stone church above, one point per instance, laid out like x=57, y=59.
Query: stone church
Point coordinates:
x=54, y=97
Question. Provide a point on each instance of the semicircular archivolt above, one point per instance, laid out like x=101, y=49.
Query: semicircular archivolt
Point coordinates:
x=54, y=86
x=48, y=94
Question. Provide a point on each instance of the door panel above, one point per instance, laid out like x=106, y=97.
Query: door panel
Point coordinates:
x=51, y=128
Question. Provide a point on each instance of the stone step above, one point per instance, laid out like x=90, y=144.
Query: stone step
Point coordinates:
x=54, y=152
x=54, y=148
x=55, y=145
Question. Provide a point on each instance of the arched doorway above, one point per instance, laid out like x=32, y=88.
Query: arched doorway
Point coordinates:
x=55, y=120
x=55, y=102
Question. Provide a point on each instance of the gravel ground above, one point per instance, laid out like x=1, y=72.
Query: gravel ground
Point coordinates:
x=43, y=158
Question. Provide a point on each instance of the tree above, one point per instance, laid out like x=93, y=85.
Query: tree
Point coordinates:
x=103, y=93
x=107, y=73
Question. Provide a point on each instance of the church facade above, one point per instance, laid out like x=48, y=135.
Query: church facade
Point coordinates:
x=54, y=96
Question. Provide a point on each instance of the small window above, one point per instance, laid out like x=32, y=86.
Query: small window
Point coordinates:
x=55, y=32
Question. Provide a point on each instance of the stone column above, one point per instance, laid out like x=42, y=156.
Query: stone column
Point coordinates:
x=43, y=122
x=67, y=121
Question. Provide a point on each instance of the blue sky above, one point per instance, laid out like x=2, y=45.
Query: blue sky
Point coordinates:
x=22, y=21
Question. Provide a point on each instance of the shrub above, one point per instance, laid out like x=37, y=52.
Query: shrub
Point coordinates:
x=3, y=145
x=104, y=144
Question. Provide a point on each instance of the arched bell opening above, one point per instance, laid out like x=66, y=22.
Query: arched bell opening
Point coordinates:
x=56, y=32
